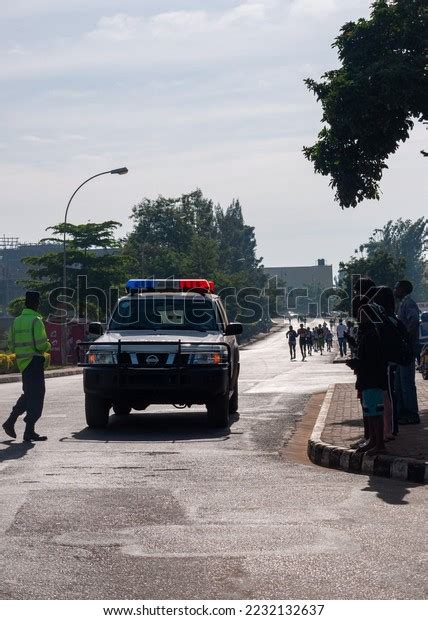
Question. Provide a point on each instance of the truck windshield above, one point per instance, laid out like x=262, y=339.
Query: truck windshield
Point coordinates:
x=162, y=313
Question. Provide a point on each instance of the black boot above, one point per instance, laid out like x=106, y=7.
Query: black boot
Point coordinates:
x=9, y=426
x=31, y=435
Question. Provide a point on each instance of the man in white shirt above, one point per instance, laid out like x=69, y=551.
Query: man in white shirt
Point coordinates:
x=341, y=331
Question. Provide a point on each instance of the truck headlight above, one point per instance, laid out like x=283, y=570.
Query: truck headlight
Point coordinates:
x=213, y=358
x=102, y=357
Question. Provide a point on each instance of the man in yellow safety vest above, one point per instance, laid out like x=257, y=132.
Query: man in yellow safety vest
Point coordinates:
x=28, y=340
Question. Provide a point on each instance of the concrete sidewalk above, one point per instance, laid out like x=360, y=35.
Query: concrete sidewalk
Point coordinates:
x=14, y=377
x=340, y=423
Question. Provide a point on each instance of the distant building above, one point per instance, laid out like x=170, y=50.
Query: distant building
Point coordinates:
x=315, y=277
x=12, y=270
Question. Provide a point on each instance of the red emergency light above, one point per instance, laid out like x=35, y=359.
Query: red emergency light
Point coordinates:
x=187, y=284
x=190, y=285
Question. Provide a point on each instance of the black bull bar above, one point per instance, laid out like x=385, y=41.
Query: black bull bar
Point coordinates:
x=83, y=348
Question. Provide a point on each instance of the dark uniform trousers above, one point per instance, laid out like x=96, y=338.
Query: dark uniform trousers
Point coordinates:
x=33, y=386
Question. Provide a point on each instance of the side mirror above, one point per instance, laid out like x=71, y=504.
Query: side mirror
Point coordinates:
x=96, y=329
x=233, y=329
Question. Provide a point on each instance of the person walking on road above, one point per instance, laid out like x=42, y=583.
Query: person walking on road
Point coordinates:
x=302, y=341
x=309, y=341
x=405, y=386
x=341, y=331
x=320, y=332
x=315, y=338
x=292, y=337
x=28, y=340
x=329, y=340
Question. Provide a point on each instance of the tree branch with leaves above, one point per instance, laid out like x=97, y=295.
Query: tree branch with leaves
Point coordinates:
x=371, y=102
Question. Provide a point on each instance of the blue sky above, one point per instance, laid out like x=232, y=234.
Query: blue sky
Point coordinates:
x=186, y=94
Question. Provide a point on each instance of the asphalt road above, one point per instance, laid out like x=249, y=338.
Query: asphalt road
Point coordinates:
x=159, y=506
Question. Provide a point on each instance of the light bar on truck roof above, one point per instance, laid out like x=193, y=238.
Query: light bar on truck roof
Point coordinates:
x=136, y=285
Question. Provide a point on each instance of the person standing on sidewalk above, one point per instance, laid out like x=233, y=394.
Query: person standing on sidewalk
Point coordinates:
x=384, y=297
x=28, y=340
x=341, y=331
x=405, y=376
x=370, y=368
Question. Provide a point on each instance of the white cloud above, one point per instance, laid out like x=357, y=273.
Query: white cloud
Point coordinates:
x=201, y=21
x=120, y=27
x=68, y=94
x=41, y=140
x=16, y=50
x=248, y=11
x=322, y=9
x=313, y=8
x=183, y=22
x=72, y=137
x=37, y=140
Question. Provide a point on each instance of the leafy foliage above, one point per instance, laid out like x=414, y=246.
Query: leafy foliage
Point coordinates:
x=407, y=240
x=395, y=252
x=370, y=102
x=380, y=266
x=190, y=237
x=102, y=270
x=86, y=236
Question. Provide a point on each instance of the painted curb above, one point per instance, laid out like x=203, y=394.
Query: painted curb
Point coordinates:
x=50, y=374
x=335, y=457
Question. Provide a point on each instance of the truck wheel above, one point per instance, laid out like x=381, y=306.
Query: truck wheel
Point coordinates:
x=218, y=411
x=97, y=411
x=121, y=409
x=233, y=402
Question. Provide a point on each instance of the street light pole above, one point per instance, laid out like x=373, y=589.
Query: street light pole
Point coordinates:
x=64, y=252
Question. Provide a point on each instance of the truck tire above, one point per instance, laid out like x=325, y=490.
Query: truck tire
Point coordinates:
x=97, y=411
x=233, y=402
x=218, y=411
x=121, y=409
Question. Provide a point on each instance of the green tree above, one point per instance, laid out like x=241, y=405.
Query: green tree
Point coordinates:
x=408, y=240
x=383, y=268
x=189, y=237
x=88, y=268
x=370, y=102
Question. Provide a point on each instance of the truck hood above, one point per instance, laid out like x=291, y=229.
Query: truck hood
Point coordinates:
x=160, y=338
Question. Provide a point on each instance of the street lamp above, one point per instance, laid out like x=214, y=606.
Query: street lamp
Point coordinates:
x=119, y=171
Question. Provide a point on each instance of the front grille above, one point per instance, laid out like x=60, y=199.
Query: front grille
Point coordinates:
x=152, y=360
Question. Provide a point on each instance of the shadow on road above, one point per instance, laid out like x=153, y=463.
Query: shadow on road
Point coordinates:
x=152, y=427
x=14, y=450
x=390, y=491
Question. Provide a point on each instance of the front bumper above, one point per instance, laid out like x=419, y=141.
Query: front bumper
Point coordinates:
x=161, y=385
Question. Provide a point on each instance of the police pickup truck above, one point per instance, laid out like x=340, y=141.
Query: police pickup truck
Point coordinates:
x=167, y=342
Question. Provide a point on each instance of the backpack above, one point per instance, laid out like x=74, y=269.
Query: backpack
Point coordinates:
x=394, y=338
